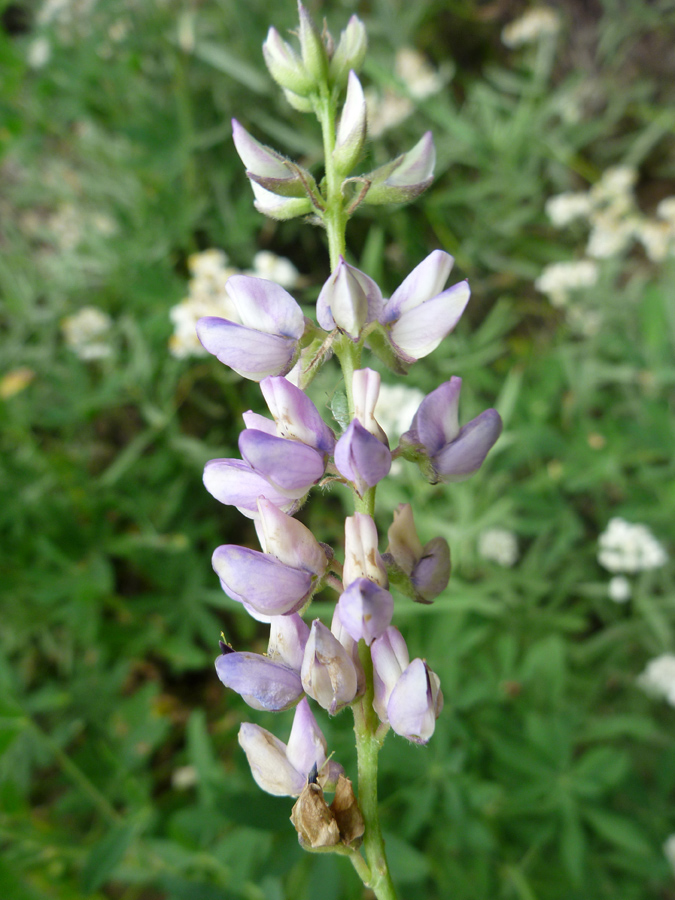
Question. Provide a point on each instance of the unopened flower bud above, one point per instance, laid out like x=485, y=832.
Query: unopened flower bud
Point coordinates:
x=415, y=703
x=314, y=56
x=276, y=207
x=351, y=133
x=428, y=567
x=285, y=66
x=328, y=673
x=365, y=610
x=405, y=177
x=361, y=458
x=350, y=51
x=268, y=168
x=366, y=391
x=348, y=300
x=362, y=558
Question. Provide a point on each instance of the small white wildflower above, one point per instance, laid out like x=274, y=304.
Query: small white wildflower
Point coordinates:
x=275, y=268
x=610, y=236
x=184, y=777
x=67, y=226
x=385, y=111
x=395, y=409
x=419, y=77
x=499, y=545
x=669, y=850
x=627, y=547
x=85, y=333
x=614, y=183
x=619, y=589
x=658, y=678
x=208, y=263
x=565, y=208
x=558, y=279
x=658, y=238
x=119, y=30
x=528, y=29
x=666, y=210
x=39, y=53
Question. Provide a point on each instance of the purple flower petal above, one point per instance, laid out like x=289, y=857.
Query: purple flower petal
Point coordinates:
x=263, y=684
x=390, y=658
x=265, y=306
x=436, y=422
x=432, y=572
x=288, y=639
x=289, y=540
x=420, y=330
x=361, y=458
x=263, y=582
x=295, y=415
x=328, y=673
x=270, y=768
x=465, y=455
x=251, y=353
x=365, y=610
x=291, y=467
x=233, y=482
x=306, y=745
x=424, y=282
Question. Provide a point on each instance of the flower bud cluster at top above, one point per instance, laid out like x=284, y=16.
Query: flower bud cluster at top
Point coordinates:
x=361, y=658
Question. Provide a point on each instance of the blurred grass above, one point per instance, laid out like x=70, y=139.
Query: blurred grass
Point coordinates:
x=551, y=774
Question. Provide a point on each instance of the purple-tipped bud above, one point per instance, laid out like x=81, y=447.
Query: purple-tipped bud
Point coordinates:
x=415, y=703
x=261, y=581
x=290, y=467
x=234, y=483
x=266, y=341
x=428, y=567
x=285, y=66
x=365, y=610
x=277, y=207
x=351, y=133
x=262, y=683
x=296, y=416
x=419, y=314
x=289, y=540
x=390, y=658
x=361, y=458
x=348, y=300
x=362, y=558
x=328, y=673
x=350, y=51
x=314, y=56
x=282, y=770
x=365, y=391
x=267, y=167
x=288, y=639
x=453, y=453
x=405, y=177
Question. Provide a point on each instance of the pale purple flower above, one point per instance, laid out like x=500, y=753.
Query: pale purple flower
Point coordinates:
x=261, y=581
x=390, y=657
x=295, y=416
x=452, y=453
x=282, y=769
x=361, y=458
x=288, y=639
x=415, y=703
x=234, y=483
x=290, y=466
x=365, y=610
x=261, y=682
x=289, y=540
x=428, y=566
x=266, y=342
x=366, y=392
x=352, y=130
x=328, y=673
x=348, y=300
x=419, y=314
x=362, y=558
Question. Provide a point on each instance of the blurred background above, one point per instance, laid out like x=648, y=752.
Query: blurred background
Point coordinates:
x=123, y=209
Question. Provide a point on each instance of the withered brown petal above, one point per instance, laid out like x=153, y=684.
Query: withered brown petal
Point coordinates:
x=346, y=810
x=314, y=820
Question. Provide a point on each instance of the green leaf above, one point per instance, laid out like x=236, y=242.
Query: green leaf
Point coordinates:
x=105, y=855
x=619, y=831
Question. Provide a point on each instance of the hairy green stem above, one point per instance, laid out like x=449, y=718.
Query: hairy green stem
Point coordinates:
x=334, y=216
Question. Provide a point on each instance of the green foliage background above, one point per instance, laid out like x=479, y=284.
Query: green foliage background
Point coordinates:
x=551, y=774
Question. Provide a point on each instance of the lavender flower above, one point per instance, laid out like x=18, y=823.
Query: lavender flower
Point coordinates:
x=348, y=300
x=328, y=673
x=261, y=682
x=361, y=458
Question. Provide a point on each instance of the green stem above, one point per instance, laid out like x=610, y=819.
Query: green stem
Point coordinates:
x=334, y=216
x=367, y=749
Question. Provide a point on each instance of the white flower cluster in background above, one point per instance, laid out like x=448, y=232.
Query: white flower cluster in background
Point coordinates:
x=561, y=279
x=658, y=678
x=208, y=294
x=627, y=547
x=421, y=80
x=87, y=333
x=535, y=24
x=499, y=545
x=619, y=589
x=395, y=409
